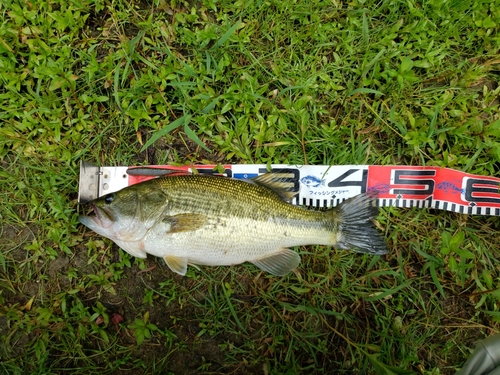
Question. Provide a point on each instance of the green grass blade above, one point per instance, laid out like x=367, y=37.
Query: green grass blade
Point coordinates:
x=389, y=292
x=231, y=307
x=167, y=129
x=192, y=135
x=116, y=85
x=364, y=90
x=210, y=106
x=226, y=36
x=435, y=278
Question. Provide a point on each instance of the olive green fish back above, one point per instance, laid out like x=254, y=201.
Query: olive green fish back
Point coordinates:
x=229, y=197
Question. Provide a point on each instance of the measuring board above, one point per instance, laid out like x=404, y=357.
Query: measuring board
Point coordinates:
x=326, y=186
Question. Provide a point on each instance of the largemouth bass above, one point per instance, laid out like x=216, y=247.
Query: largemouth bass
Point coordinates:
x=219, y=221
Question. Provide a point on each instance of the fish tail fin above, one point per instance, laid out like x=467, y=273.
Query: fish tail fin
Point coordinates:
x=356, y=230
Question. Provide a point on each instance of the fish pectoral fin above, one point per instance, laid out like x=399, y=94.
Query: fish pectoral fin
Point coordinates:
x=134, y=248
x=280, y=263
x=184, y=222
x=177, y=264
x=277, y=182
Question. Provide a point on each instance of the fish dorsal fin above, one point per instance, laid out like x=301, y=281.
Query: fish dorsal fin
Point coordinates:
x=279, y=263
x=177, y=264
x=184, y=222
x=278, y=182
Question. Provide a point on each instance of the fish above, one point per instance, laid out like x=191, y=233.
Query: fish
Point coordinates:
x=312, y=181
x=201, y=220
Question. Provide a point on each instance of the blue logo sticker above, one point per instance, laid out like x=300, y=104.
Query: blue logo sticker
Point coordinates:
x=449, y=187
x=245, y=176
x=312, y=181
x=380, y=188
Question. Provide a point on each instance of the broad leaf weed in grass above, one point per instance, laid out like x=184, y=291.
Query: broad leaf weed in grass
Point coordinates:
x=129, y=83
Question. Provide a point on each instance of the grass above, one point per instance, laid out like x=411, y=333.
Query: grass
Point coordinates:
x=144, y=82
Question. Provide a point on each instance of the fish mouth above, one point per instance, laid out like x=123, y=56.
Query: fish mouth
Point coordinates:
x=100, y=218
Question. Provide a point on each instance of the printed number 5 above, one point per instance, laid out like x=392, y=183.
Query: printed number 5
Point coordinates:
x=413, y=178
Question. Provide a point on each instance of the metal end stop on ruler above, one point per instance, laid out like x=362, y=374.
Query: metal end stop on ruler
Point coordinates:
x=89, y=182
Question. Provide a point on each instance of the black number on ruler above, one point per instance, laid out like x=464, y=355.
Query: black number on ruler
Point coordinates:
x=339, y=181
x=409, y=177
x=288, y=176
x=227, y=172
x=470, y=190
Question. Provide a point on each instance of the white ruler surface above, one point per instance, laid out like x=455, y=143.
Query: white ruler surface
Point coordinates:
x=326, y=186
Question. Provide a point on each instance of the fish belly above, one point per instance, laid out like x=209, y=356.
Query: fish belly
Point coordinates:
x=231, y=241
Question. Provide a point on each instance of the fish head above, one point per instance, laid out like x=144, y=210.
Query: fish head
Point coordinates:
x=126, y=215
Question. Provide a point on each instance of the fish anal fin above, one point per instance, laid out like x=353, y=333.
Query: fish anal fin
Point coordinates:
x=277, y=182
x=279, y=263
x=176, y=264
x=184, y=222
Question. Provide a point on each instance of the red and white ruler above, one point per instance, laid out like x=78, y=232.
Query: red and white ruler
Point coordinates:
x=326, y=186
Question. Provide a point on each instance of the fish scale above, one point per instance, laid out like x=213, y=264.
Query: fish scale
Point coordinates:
x=218, y=221
x=229, y=196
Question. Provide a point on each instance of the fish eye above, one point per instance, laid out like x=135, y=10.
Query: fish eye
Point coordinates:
x=109, y=198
